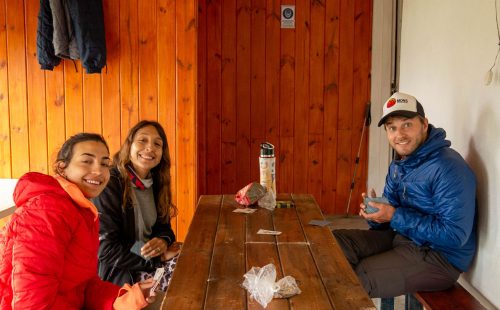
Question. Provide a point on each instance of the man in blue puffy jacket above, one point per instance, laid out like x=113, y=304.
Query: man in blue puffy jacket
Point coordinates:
x=425, y=236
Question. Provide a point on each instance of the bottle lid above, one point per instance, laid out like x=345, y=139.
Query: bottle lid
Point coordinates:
x=266, y=149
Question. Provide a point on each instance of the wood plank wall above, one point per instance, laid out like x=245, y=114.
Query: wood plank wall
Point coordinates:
x=150, y=74
x=303, y=89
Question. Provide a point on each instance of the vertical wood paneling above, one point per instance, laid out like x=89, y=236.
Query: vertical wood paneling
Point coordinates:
x=302, y=69
x=92, y=102
x=214, y=95
x=5, y=156
x=110, y=77
x=331, y=104
x=272, y=61
x=361, y=93
x=258, y=82
x=37, y=122
x=167, y=109
x=344, y=145
x=317, y=66
x=18, y=109
x=316, y=105
x=56, y=124
x=73, y=98
x=243, y=89
x=315, y=170
x=302, y=89
x=129, y=65
x=315, y=83
x=186, y=105
x=148, y=62
x=151, y=73
x=228, y=97
x=201, y=121
x=286, y=106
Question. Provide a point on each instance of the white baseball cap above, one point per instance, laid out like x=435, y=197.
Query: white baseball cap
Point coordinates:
x=401, y=104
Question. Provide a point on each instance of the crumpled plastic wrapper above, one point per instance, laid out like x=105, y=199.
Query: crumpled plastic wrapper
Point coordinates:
x=287, y=287
x=260, y=284
x=249, y=194
x=268, y=201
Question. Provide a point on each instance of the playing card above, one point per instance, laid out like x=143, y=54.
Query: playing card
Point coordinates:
x=136, y=249
x=268, y=232
x=319, y=223
x=156, y=279
x=245, y=210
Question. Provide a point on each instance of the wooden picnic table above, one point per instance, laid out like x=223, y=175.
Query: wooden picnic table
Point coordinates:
x=221, y=246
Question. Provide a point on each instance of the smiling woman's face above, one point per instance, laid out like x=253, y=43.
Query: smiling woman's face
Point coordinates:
x=146, y=150
x=89, y=167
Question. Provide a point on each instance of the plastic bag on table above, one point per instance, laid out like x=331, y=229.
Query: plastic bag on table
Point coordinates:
x=249, y=194
x=260, y=283
x=287, y=288
x=268, y=201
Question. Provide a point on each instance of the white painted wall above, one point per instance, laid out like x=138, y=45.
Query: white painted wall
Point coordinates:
x=382, y=53
x=447, y=47
x=6, y=190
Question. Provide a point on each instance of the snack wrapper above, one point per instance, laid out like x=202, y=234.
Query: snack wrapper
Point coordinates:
x=249, y=194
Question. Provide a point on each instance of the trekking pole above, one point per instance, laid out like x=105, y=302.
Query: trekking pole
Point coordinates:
x=366, y=122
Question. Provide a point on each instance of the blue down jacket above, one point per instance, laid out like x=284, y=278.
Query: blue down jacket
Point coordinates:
x=434, y=193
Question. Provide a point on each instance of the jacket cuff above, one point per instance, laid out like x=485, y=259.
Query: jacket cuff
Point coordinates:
x=46, y=67
x=130, y=297
x=91, y=70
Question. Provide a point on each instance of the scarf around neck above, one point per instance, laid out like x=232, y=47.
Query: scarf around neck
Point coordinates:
x=137, y=181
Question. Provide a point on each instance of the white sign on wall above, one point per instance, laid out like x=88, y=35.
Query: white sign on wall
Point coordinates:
x=288, y=16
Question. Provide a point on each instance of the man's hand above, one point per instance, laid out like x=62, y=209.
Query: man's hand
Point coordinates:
x=384, y=213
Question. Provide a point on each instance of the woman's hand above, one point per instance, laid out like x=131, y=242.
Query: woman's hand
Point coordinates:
x=172, y=251
x=146, y=286
x=154, y=247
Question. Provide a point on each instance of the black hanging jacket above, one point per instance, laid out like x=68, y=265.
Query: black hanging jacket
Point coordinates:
x=87, y=20
x=44, y=47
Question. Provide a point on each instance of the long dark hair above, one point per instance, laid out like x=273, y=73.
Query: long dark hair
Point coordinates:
x=66, y=152
x=160, y=173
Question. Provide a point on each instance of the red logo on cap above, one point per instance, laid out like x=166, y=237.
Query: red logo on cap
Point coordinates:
x=391, y=102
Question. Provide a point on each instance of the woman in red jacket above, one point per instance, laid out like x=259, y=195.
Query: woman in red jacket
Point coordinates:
x=48, y=250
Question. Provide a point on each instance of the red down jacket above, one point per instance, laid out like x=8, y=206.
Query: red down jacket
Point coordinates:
x=48, y=251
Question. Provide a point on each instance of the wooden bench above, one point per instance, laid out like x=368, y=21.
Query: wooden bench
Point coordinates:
x=456, y=298
x=5, y=216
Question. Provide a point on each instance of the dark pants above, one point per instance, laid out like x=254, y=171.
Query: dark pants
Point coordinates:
x=389, y=264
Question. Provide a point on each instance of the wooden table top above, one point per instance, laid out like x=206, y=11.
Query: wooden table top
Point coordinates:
x=221, y=246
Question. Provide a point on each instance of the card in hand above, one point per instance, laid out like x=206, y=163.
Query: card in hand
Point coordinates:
x=136, y=249
x=156, y=279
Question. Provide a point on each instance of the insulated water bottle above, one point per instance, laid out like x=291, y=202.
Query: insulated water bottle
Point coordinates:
x=267, y=167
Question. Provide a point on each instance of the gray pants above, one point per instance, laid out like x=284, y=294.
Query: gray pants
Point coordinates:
x=389, y=264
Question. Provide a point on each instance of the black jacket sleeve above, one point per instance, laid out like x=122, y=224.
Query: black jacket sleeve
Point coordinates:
x=44, y=46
